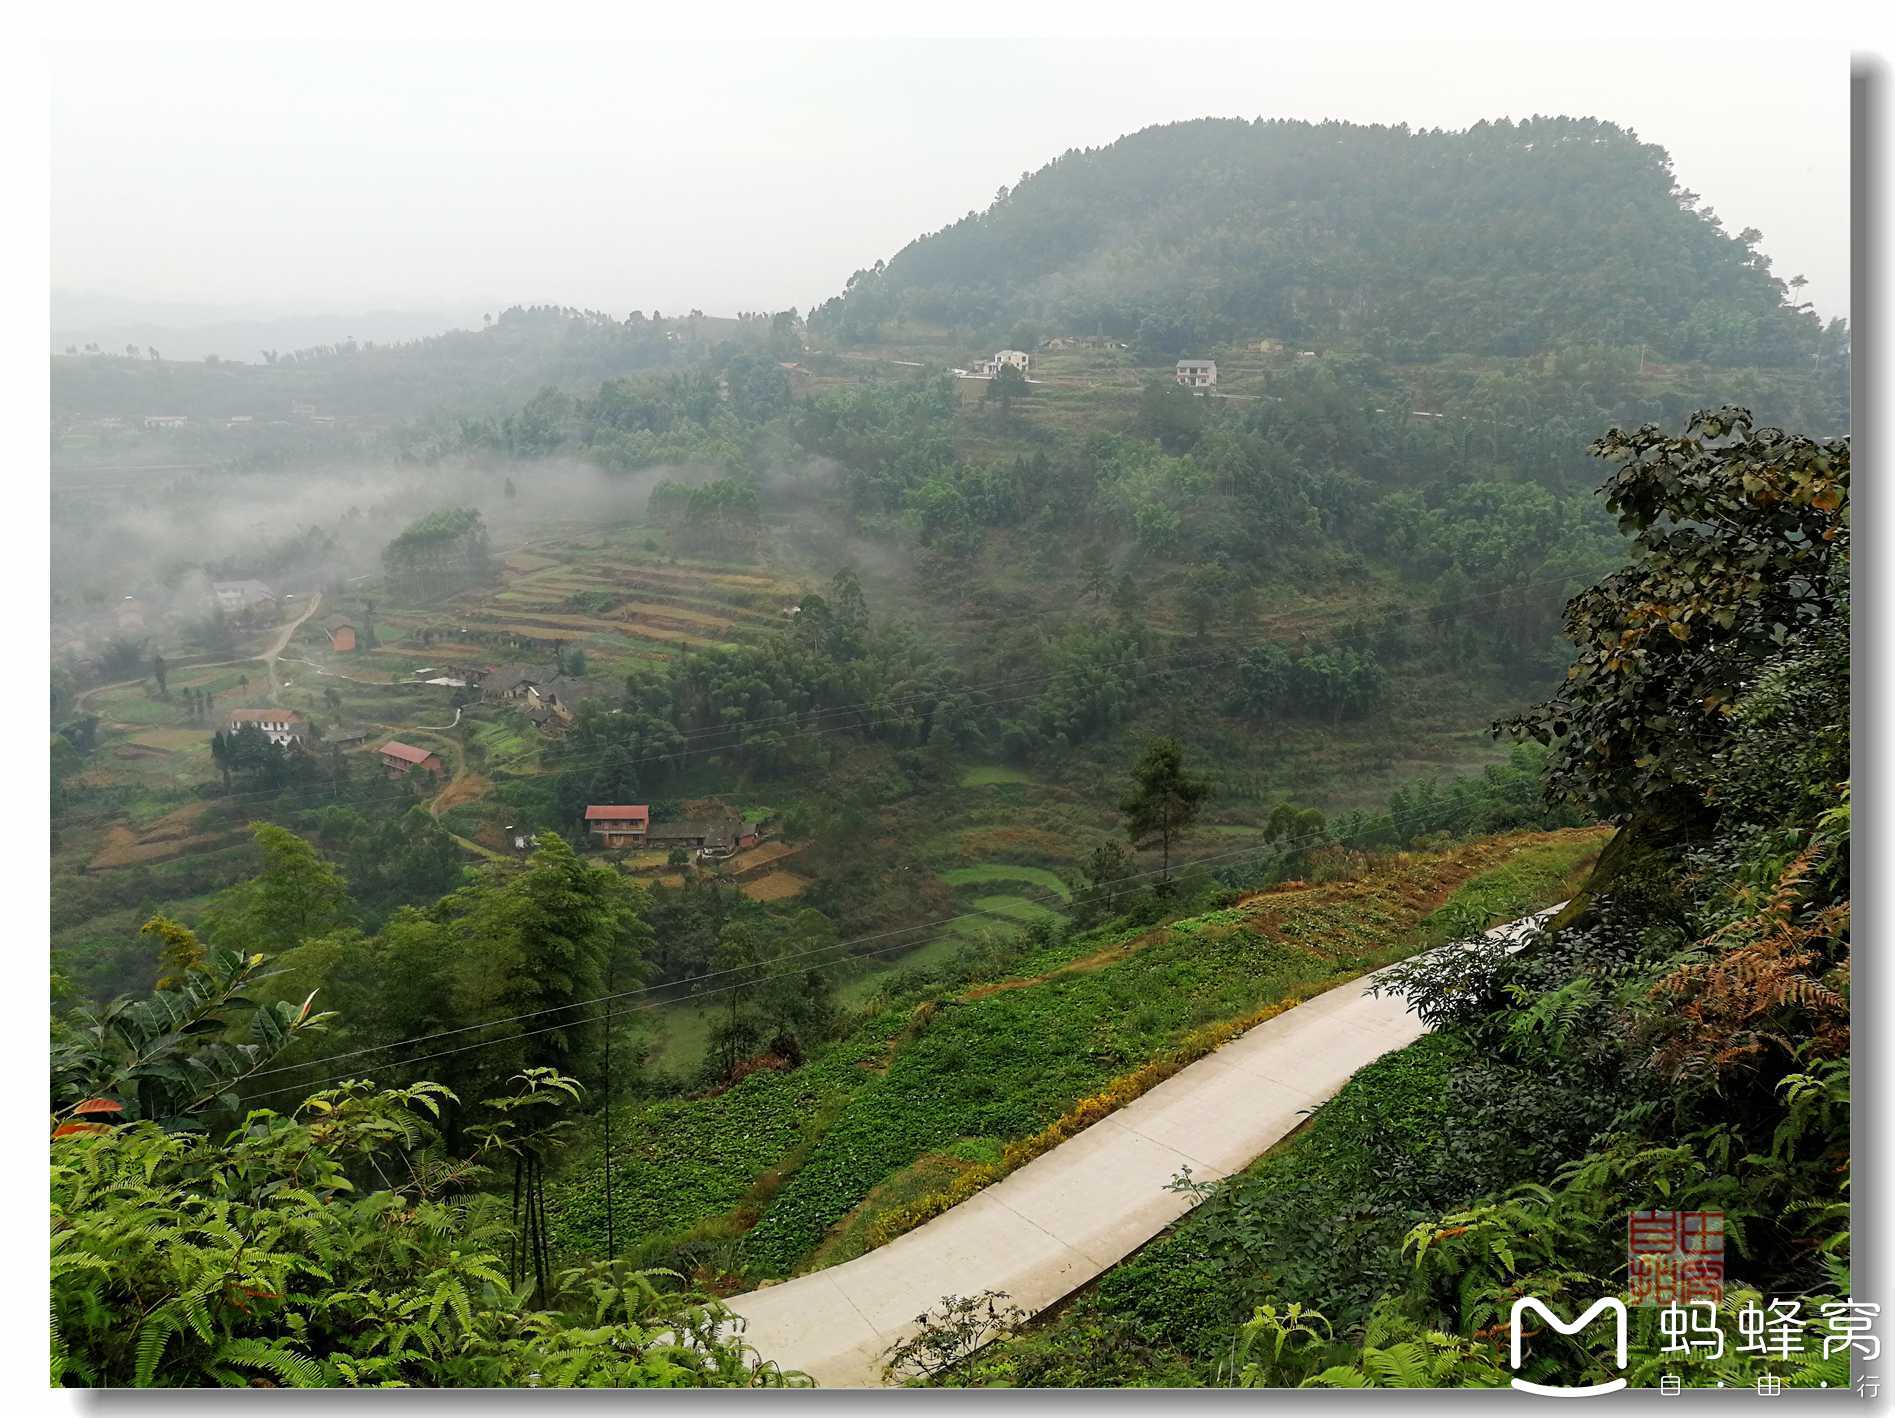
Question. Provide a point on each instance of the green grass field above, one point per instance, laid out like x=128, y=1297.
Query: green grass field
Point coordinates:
x=988, y=775
x=1003, y=871
x=1016, y=908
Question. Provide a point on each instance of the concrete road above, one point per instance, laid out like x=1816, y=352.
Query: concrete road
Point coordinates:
x=1070, y=1214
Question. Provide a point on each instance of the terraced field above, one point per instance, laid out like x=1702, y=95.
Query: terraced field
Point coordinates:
x=620, y=601
x=1040, y=878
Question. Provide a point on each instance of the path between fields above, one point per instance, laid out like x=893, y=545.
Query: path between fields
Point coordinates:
x=1069, y=1215
x=268, y=657
x=282, y=641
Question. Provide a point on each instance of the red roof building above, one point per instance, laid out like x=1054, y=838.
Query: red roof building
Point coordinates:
x=400, y=759
x=619, y=824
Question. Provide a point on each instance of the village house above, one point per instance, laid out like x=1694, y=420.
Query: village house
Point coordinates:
x=618, y=824
x=282, y=726
x=547, y=698
x=514, y=684
x=1019, y=359
x=563, y=694
x=400, y=759
x=1197, y=373
x=166, y=420
x=711, y=836
x=1082, y=342
x=243, y=597
x=341, y=634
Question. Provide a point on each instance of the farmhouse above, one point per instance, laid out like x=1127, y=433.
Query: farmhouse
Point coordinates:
x=547, y=697
x=400, y=759
x=243, y=597
x=1017, y=358
x=707, y=834
x=284, y=726
x=1197, y=373
x=341, y=634
x=749, y=834
x=618, y=824
x=562, y=695
x=514, y=684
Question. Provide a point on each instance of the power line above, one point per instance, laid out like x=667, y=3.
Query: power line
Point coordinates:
x=1120, y=887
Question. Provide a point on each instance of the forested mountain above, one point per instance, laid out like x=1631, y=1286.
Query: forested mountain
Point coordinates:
x=1506, y=239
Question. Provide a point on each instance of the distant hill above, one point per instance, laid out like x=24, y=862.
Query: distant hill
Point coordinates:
x=1506, y=239
x=459, y=371
x=191, y=331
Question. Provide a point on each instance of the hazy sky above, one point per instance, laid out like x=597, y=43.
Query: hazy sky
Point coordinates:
x=297, y=176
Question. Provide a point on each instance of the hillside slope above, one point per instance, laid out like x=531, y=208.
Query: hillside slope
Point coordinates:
x=1504, y=239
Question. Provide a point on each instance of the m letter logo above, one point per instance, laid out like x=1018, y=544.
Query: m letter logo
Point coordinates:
x=1599, y=1307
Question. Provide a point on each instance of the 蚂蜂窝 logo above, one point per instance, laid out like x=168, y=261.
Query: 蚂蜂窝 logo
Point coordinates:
x=1598, y=1307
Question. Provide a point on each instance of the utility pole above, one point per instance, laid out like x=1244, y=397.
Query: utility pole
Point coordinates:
x=611, y=1232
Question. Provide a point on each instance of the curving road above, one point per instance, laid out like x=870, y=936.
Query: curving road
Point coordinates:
x=1042, y=1232
x=269, y=658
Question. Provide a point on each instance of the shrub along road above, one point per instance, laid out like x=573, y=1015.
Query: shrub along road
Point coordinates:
x=1071, y=1214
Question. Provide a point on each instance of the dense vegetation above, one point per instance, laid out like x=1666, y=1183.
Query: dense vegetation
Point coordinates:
x=1679, y=1040
x=1508, y=238
x=1105, y=720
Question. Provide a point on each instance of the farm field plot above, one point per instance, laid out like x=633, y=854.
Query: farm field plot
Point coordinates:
x=614, y=596
x=992, y=775
x=775, y=886
x=761, y=855
x=1038, y=877
x=1016, y=908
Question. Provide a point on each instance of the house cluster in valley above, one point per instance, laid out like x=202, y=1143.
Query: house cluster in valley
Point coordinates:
x=628, y=826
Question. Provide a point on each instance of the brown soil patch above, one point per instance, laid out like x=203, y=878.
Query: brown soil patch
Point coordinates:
x=1018, y=844
x=777, y=886
x=122, y=849
x=176, y=823
x=468, y=788
x=761, y=855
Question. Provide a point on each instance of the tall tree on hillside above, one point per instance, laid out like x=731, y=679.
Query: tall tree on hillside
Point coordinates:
x=1740, y=545
x=298, y=894
x=1008, y=384
x=1164, y=801
x=179, y=951
x=1095, y=572
x=539, y=942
